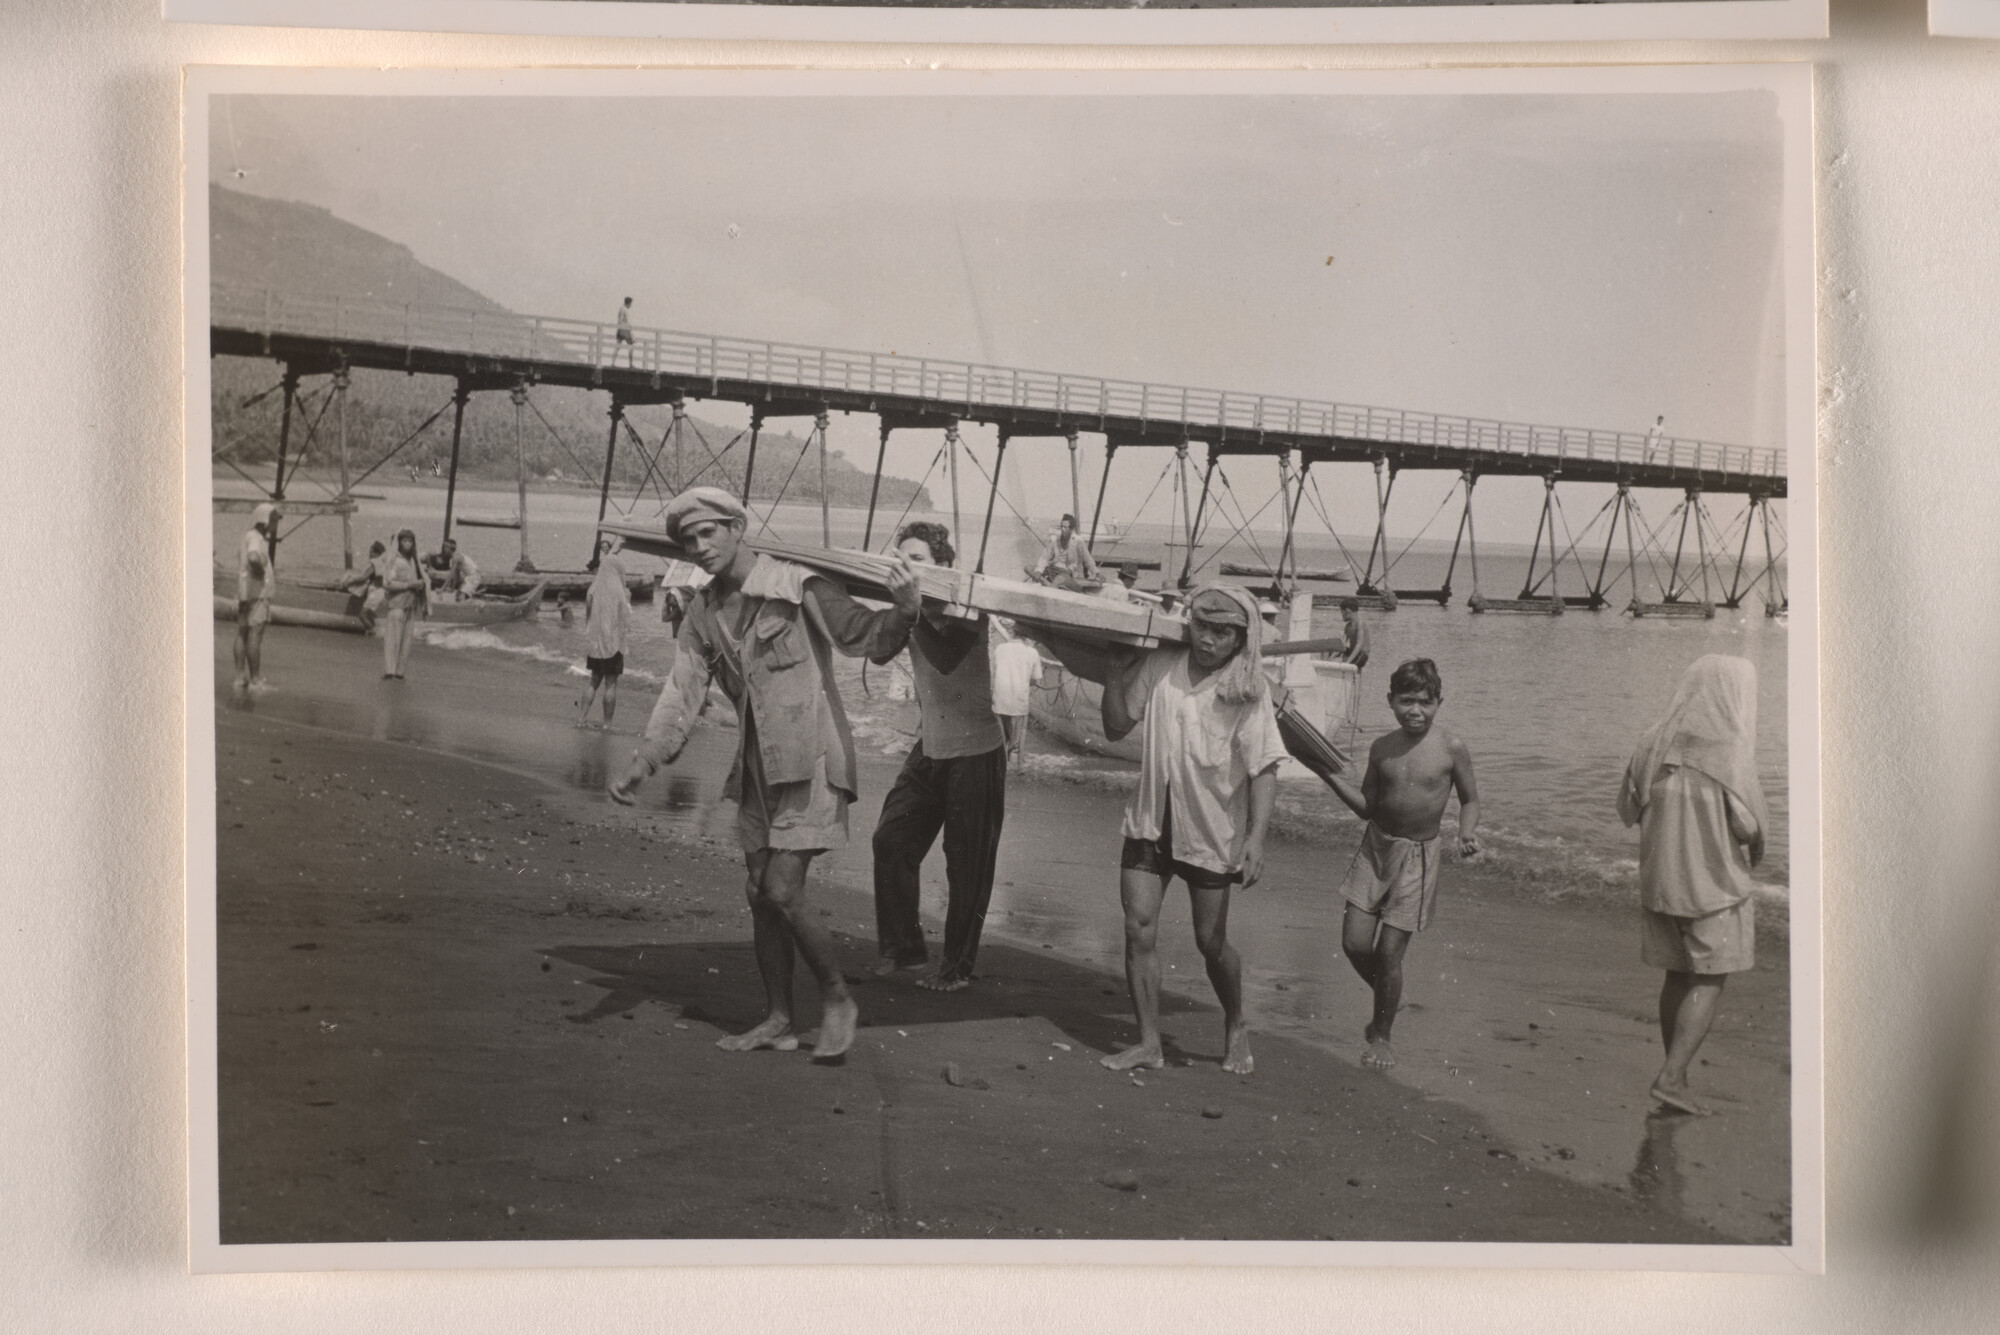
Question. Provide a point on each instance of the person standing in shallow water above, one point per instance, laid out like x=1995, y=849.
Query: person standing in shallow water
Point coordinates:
x=1692, y=789
x=607, y=616
x=407, y=591
x=1208, y=777
x=954, y=779
x=256, y=573
x=765, y=631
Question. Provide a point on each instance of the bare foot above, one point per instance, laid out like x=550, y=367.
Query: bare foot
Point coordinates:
x=1236, y=1058
x=1379, y=1055
x=838, y=1017
x=937, y=982
x=1137, y=1057
x=775, y=1033
x=1677, y=1098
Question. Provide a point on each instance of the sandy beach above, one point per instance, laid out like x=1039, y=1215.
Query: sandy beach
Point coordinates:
x=462, y=995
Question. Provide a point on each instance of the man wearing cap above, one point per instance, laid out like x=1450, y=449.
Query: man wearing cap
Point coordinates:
x=1207, y=782
x=765, y=630
x=256, y=572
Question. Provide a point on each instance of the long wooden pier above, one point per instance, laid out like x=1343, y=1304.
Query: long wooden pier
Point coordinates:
x=492, y=351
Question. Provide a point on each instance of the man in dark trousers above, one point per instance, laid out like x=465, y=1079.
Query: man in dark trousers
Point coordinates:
x=955, y=779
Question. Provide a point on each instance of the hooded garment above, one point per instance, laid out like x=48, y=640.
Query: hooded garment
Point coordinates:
x=1711, y=727
x=607, y=609
x=1242, y=677
x=1692, y=788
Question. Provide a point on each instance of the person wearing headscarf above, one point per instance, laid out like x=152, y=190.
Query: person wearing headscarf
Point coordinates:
x=1207, y=782
x=766, y=630
x=256, y=573
x=607, y=615
x=1692, y=789
x=407, y=596
x=954, y=780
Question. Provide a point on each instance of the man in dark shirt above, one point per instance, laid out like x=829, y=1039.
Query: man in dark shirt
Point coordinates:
x=954, y=779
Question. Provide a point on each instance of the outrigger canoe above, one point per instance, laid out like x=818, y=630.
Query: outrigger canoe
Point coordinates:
x=327, y=605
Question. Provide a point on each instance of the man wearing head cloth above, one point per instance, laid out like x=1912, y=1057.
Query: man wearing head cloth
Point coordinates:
x=1207, y=782
x=256, y=572
x=765, y=631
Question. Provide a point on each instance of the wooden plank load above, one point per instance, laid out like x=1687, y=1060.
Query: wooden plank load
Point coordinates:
x=1244, y=570
x=1077, y=616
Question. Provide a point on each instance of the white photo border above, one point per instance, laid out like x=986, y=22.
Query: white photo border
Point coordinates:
x=1613, y=20
x=1793, y=85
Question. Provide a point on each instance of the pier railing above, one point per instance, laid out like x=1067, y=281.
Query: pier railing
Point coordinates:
x=806, y=368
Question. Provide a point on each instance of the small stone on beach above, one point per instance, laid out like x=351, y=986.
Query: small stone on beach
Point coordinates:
x=1211, y=1113
x=1119, y=1179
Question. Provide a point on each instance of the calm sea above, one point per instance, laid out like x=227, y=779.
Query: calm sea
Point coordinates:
x=1550, y=706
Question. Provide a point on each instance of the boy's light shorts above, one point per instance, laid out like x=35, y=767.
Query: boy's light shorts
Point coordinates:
x=1394, y=879
x=796, y=816
x=1724, y=942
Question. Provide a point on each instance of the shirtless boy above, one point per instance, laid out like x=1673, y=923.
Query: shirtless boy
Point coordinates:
x=1391, y=886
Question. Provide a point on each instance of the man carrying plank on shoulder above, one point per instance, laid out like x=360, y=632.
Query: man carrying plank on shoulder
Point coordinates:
x=1207, y=782
x=765, y=631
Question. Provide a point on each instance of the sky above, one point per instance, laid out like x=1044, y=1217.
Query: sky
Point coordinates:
x=1582, y=260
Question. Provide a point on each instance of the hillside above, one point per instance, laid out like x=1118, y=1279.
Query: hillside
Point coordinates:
x=280, y=243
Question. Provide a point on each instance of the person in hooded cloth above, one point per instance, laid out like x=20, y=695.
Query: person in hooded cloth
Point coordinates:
x=407, y=596
x=765, y=630
x=607, y=616
x=256, y=572
x=1208, y=777
x=1692, y=789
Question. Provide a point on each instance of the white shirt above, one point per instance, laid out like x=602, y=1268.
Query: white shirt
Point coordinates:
x=1200, y=755
x=1015, y=666
x=255, y=572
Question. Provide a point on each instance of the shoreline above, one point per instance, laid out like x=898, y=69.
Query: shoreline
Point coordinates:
x=1505, y=1051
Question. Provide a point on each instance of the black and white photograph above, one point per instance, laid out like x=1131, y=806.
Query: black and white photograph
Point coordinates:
x=1012, y=668
x=1047, y=21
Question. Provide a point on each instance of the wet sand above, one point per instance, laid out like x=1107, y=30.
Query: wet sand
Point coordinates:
x=463, y=996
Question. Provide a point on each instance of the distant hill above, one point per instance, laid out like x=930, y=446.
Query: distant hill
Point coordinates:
x=279, y=243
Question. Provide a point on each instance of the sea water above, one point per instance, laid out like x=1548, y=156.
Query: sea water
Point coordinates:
x=1549, y=706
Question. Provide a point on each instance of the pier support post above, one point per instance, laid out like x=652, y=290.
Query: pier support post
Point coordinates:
x=1466, y=478
x=1673, y=590
x=1771, y=585
x=1292, y=522
x=875, y=487
x=1187, y=518
x=458, y=402
x=992, y=495
x=1285, y=500
x=1547, y=521
x=347, y=516
x=678, y=430
x=1700, y=541
x=1075, y=488
x=951, y=444
x=1382, y=489
x=1207, y=476
x=1110, y=448
x=519, y=396
x=1618, y=504
x=604, y=491
x=825, y=511
x=291, y=387
x=750, y=463
x=1734, y=598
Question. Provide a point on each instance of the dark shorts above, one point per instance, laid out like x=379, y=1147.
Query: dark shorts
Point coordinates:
x=613, y=666
x=624, y=336
x=1156, y=857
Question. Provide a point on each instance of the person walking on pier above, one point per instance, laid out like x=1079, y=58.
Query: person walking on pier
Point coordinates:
x=256, y=573
x=1692, y=789
x=408, y=591
x=624, y=343
x=607, y=616
x=954, y=780
x=1208, y=777
x=766, y=630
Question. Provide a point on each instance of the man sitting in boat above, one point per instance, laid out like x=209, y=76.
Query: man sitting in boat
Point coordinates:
x=1066, y=562
x=453, y=571
x=766, y=631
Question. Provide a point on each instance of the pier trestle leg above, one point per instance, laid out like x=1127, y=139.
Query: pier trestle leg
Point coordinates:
x=1201, y=506
x=458, y=402
x=341, y=379
x=1097, y=512
x=604, y=492
x=519, y=396
x=750, y=463
x=1382, y=493
x=992, y=498
x=875, y=489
